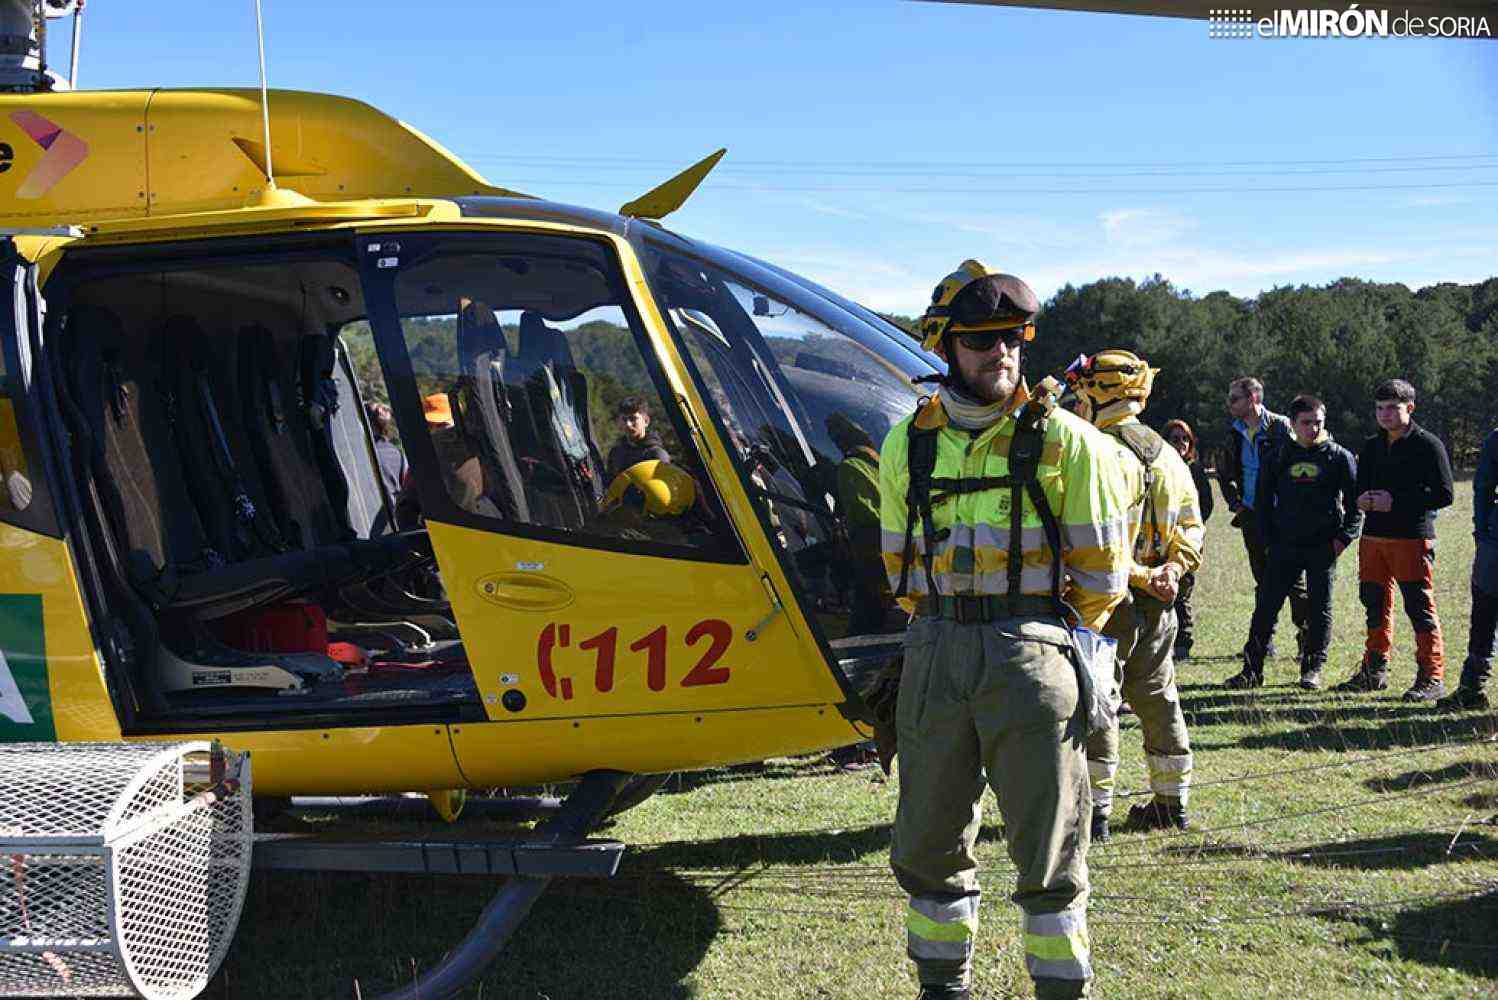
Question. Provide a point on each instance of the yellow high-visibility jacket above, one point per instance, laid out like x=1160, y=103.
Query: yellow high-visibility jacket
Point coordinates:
x=1083, y=482
x=1177, y=514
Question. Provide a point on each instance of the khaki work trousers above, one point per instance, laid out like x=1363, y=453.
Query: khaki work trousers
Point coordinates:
x=994, y=700
x=1145, y=629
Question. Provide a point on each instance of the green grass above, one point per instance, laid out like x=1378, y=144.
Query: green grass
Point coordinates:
x=1347, y=846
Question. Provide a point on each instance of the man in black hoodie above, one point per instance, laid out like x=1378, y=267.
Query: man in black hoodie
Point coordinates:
x=640, y=443
x=1308, y=513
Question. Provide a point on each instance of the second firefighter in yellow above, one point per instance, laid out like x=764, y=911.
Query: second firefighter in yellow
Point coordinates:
x=1167, y=531
x=995, y=512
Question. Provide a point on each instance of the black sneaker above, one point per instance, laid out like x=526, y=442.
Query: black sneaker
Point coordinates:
x=1426, y=689
x=1100, y=834
x=945, y=993
x=1372, y=675
x=1311, y=679
x=1464, y=699
x=1245, y=678
x=1158, y=814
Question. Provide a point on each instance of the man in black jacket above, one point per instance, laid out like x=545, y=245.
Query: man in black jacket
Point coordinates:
x=1404, y=477
x=1483, y=638
x=1254, y=434
x=1307, y=510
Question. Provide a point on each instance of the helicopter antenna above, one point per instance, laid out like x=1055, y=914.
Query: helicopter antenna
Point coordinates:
x=77, y=40
x=270, y=174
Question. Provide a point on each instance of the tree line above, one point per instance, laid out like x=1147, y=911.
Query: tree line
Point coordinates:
x=1337, y=341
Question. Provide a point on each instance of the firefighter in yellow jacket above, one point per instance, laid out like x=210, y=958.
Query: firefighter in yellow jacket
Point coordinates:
x=989, y=501
x=1166, y=527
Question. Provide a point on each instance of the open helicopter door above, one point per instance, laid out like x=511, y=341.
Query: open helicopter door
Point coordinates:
x=618, y=604
x=47, y=648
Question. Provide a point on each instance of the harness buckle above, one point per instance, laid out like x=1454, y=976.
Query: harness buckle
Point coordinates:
x=968, y=609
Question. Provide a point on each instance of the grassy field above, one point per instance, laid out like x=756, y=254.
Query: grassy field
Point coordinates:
x=1345, y=846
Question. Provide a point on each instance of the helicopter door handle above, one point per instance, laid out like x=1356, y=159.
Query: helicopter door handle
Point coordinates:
x=776, y=607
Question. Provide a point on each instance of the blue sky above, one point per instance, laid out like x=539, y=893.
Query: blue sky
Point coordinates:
x=874, y=145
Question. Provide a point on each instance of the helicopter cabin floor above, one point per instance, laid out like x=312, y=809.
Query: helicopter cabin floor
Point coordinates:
x=232, y=496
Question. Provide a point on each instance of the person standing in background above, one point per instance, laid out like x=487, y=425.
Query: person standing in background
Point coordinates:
x=1180, y=436
x=1483, y=637
x=1404, y=477
x=1255, y=434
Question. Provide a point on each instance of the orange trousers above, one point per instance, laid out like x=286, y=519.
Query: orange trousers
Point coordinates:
x=1408, y=564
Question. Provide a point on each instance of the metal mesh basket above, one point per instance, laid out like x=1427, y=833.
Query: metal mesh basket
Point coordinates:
x=123, y=867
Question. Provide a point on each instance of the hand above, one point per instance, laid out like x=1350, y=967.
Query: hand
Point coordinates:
x=1382, y=500
x=1164, y=582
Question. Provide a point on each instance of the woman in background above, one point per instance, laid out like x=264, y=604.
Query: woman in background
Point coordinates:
x=1178, y=435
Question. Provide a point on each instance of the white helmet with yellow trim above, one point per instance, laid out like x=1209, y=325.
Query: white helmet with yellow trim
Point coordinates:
x=975, y=298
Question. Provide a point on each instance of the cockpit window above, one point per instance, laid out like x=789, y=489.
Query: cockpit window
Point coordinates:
x=806, y=393
x=538, y=401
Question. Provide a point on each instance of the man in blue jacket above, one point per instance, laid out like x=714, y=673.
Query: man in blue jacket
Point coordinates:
x=1308, y=513
x=1483, y=637
x=1255, y=433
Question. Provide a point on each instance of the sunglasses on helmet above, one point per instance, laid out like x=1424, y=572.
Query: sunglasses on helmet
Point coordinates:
x=984, y=340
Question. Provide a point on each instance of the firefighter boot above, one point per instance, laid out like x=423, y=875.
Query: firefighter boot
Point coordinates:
x=1159, y=814
x=1427, y=687
x=1372, y=674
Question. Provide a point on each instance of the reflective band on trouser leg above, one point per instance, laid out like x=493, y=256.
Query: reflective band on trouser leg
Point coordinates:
x=1102, y=774
x=1170, y=775
x=939, y=938
x=1056, y=945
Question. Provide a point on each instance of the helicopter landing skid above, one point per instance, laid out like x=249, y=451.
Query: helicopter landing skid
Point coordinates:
x=559, y=848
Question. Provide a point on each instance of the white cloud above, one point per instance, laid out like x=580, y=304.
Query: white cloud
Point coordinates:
x=1436, y=200
x=1142, y=227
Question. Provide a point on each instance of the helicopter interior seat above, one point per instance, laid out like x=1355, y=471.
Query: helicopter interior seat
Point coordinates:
x=555, y=401
x=484, y=409
x=285, y=456
x=142, y=445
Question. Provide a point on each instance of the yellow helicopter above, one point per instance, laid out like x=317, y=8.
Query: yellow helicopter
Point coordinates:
x=635, y=529
x=629, y=526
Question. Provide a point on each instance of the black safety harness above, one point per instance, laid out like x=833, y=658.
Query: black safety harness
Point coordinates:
x=926, y=490
x=1146, y=446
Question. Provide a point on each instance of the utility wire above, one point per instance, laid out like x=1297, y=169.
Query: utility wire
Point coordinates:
x=741, y=169
x=820, y=165
x=544, y=182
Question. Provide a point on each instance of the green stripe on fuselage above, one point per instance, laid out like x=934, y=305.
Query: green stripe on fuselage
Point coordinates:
x=25, y=700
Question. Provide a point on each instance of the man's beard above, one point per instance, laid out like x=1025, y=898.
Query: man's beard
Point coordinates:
x=994, y=385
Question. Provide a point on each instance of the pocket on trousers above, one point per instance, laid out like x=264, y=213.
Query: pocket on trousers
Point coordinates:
x=915, y=674
x=1042, y=686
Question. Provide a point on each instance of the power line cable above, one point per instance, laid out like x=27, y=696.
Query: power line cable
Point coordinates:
x=817, y=165
x=540, y=183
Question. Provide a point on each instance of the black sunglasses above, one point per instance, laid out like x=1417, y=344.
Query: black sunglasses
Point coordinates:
x=984, y=340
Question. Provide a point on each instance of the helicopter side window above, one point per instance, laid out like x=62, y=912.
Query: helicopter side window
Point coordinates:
x=806, y=406
x=541, y=404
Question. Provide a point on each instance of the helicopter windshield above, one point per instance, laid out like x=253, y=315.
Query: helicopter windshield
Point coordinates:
x=805, y=388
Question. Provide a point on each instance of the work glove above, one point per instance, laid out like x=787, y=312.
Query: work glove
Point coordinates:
x=883, y=700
